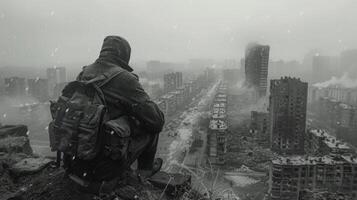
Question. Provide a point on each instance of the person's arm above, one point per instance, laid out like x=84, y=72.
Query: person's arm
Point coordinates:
x=131, y=94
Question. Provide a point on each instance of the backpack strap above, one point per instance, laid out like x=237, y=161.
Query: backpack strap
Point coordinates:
x=103, y=79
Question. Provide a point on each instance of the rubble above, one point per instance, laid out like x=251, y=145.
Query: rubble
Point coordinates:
x=26, y=176
x=15, y=145
x=29, y=166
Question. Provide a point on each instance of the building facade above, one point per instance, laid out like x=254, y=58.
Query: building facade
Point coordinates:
x=291, y=176
x=259, y=127
x=172, y=81
x=256, y=67
x=15, y=86
x=287, y=114
x=38, y=88
x=55, y=76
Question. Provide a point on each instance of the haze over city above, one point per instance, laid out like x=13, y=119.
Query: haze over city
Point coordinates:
x=228, y=99
x=40, y=33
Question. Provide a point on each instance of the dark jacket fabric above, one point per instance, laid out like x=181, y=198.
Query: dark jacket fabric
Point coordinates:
x=123, y=94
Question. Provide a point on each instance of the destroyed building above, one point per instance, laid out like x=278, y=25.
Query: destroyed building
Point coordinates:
x=172, y=81
x=259, y=127
x=320, y=142
x=290, y=175
x=287, y=114
x=256, y=67
x=218, y=126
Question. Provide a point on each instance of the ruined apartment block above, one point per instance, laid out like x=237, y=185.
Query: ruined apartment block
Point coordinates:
x=172, y=81
x=259, y=127
x=320, y=142
x=287, y=113
x=256, y=67
x=218, y=127
x=291, y=176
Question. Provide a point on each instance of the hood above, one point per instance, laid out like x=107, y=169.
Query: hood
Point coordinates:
x=116, y=50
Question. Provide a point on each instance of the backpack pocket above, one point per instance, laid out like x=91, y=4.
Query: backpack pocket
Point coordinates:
x=117, y=138
x=89, y=132
x=75, y=129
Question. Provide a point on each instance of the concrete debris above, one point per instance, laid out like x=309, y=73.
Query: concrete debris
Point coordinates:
x=29, y=166
x=15, y=145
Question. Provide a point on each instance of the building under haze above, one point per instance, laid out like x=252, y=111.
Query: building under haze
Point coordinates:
x=348, y=62
x=231, y=75
x=287, y=113
x=15, y=86
x=172, y=81
x=38, y=88
x=55, y=76
x=256, y=67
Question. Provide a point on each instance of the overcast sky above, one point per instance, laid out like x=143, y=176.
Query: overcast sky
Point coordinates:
x=44, y=32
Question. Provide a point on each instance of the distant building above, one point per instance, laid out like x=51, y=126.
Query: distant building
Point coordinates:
x=169, y=104
x=291, y=176
x=323, y=194
x=231, y=75
x=210, y=75
x=287, y=113
x=230, y=63
x=256, y=67
x=153, y=65
x=55, y=75
x=2, y=86
x=15, y=86
x=339, y=117
x=259, y=126
x=172, y=81
x=57, y=90
x=38, y=88
x=218, y=126
x=320, y=142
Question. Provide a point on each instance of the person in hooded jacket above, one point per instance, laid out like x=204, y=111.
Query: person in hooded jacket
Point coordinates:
x=124, y=95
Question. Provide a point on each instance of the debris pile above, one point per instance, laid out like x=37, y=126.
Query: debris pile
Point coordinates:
x=24, y=175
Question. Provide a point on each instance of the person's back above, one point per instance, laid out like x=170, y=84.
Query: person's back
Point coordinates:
x=124, y=97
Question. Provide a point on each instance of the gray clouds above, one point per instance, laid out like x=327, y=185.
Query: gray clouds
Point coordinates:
x=47, y=32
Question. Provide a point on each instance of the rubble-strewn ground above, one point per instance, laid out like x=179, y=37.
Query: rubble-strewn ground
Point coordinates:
x=26, y=176
x=243, y=151
x=50, y=182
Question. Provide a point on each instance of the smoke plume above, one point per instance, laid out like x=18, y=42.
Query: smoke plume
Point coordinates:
x=344, y=82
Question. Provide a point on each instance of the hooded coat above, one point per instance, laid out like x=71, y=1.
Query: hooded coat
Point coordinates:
x=123, y=94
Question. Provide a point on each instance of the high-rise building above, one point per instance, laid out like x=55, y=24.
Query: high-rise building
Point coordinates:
x=256, y=67
x=38, y=88
x=15, y=86
x=55, y=75
x=172, y=81
x=287, y=114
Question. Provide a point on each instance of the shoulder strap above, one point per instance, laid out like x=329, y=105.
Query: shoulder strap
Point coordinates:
x=103, y=79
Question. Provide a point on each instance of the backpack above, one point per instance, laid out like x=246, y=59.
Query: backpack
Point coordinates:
x=78, y=130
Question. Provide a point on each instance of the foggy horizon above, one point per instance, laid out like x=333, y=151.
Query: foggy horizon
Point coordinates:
x=42, y=33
